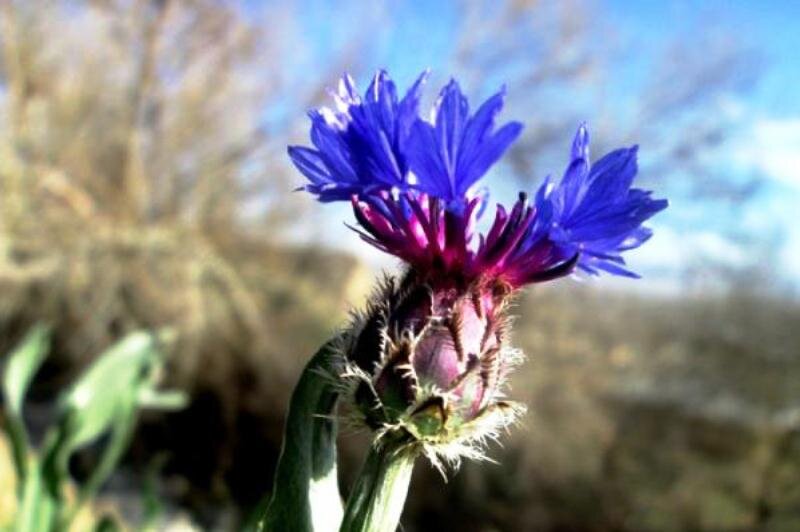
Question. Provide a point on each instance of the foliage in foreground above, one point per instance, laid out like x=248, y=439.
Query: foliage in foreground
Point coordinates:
x=102, y=403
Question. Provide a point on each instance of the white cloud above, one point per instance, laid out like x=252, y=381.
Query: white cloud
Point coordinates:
x=672, y=249
x=772, y=147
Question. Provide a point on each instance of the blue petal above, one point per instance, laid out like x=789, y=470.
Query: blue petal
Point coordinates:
x=333, y=151
x=574, y=183
x=479, y=126
x=487, y=155
x=610, y=178
x=361, y=144
x=614, y=269
x=408, y=109
x=452, y=154
x=310, y=164
x=381, y=99
x=580, y=144
x=452, y=111
x=426, y=161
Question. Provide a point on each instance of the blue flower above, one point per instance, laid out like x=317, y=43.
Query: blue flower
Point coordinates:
x=586, y=221
x=594, y=211
x=360, y=146
x=412, y=186
x=449, y=155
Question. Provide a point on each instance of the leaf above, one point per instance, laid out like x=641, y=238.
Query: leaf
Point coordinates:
x=22, y=366
x=121, y=433
x=305, y=496
x=108, y=389
x=106, y=400
x=161, y=400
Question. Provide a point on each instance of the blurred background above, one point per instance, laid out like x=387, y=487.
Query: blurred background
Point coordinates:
x=144, y=183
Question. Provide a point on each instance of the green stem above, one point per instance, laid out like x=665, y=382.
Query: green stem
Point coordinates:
x=36, y=508
x=41, y=497
x=378, y=497
x=121, y=434
x=17, y=435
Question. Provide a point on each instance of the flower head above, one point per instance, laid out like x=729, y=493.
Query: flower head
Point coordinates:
x=430, y=222
x=595, y=212
x=359, y=146
x=586, y=221
x=412, y=183
x=430, y=357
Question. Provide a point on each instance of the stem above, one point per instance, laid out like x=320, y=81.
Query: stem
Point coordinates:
x=122, y=431
x=378, y=497
x=18, y=437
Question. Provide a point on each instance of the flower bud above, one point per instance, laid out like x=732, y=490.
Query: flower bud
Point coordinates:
x=430, y=359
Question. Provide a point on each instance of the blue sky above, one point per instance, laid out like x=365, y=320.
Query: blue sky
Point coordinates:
x=767, y=136
x=769, y=25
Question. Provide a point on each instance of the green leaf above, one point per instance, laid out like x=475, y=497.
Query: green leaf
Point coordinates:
x=109, y=388
x=22, y=366
x=107, y=399
x=161, y=400
x=305, y=496
x=121, y=433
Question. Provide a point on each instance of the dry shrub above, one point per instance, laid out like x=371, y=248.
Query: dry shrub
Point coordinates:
x=138, y=183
